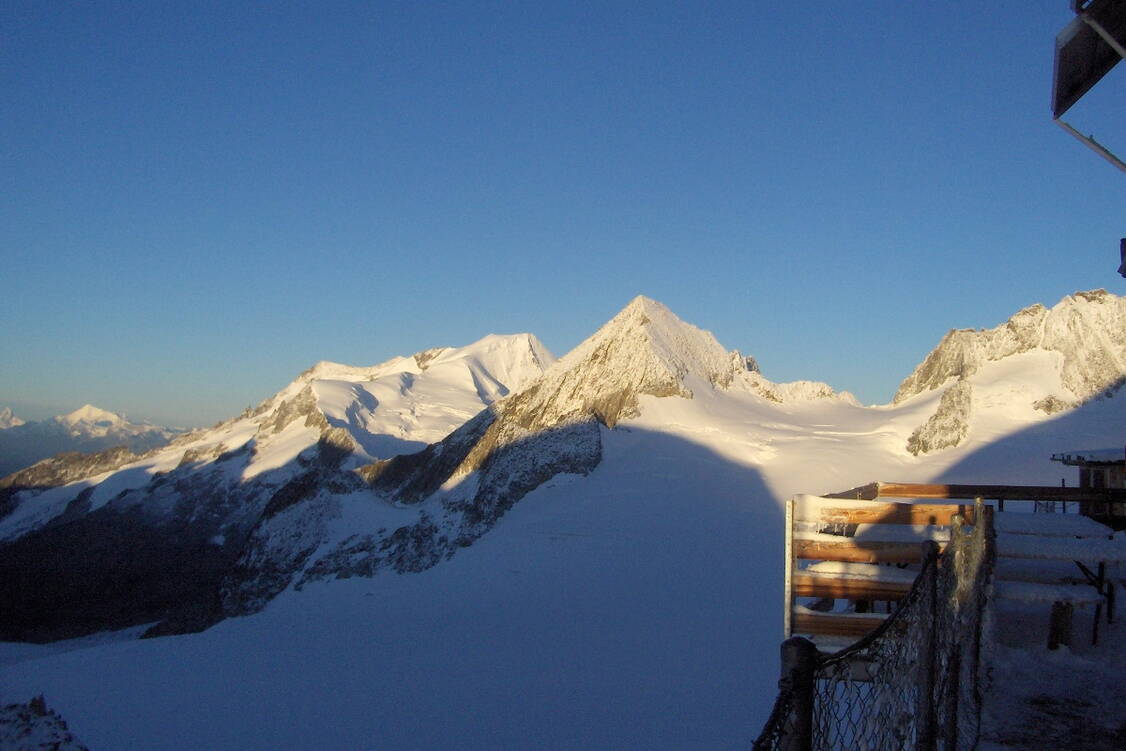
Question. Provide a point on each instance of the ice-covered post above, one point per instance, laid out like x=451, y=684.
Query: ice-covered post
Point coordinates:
x=953, y=686
x=799, y=663
x=924, y=713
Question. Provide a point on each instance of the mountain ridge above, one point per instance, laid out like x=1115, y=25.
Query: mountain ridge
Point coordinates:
x=1087, y=329
x=88, y=429
x=350, y=471
x=199, y=498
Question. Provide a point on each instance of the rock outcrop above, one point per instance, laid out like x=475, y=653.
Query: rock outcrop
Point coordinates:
x=32, y=725
x=949, y=425
x=1087, y=330
x=1083, y=338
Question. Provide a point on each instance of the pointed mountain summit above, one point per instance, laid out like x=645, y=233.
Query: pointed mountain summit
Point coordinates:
x=644, y=349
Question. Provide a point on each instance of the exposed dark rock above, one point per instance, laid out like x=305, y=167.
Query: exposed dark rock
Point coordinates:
x=33, y=726
x=68, y=467
x=949, y=424
x=1052, y=404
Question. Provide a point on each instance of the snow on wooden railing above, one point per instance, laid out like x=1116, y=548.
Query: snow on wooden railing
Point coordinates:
x=848, y=552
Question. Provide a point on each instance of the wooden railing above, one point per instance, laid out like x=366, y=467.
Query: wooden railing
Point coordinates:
x=859, y=551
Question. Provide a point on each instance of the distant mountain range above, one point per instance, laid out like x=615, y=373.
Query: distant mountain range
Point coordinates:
x=87, y=429
x=352, y=471
x=8, y=420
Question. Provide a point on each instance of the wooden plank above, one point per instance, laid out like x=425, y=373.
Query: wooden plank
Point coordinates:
x=869, y=492
x=896, y=513
x=874, y=490
x=999, y=492
x=834, y=624
x=859, y=551
x=804, y=584
x=847, y=588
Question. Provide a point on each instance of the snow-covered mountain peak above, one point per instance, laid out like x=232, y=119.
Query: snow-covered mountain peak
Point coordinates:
x=551, y=427
x=1086, y=330
x=90, y=415
x=8, y=420
x=646, y=349
x=520, y=357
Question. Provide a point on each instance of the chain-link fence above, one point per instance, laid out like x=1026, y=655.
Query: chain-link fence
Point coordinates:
x=916, y=681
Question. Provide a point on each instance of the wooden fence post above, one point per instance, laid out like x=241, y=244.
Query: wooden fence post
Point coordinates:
x=799, y=663
x=1059, y=625
x=924, y=713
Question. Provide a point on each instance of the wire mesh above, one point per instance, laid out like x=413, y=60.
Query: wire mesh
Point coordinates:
x=922, y=666
x=866, y=695
x=778, y=727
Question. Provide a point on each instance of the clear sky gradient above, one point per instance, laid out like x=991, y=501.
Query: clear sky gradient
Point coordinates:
x=200, y=200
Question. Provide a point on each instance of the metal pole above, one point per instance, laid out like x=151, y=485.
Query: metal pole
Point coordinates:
x=1094, y=145
x=799, y=663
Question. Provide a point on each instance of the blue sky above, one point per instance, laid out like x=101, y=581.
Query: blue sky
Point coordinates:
x=200, y=200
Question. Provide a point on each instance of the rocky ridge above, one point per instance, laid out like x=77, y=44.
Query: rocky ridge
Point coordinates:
x=32, y=725
x=352, y=471
x=174, y=522
x=462, y=485
x=1086, y=329
x=1085, y=334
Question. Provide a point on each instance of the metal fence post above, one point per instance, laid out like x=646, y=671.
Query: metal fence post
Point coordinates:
x=799, y=662
x=924, y=713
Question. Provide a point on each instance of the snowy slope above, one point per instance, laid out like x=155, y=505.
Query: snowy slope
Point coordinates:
x=592, y=561
x=628, y=615
x=86, y=429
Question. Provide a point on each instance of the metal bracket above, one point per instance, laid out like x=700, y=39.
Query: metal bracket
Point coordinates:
x=1094, y=145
